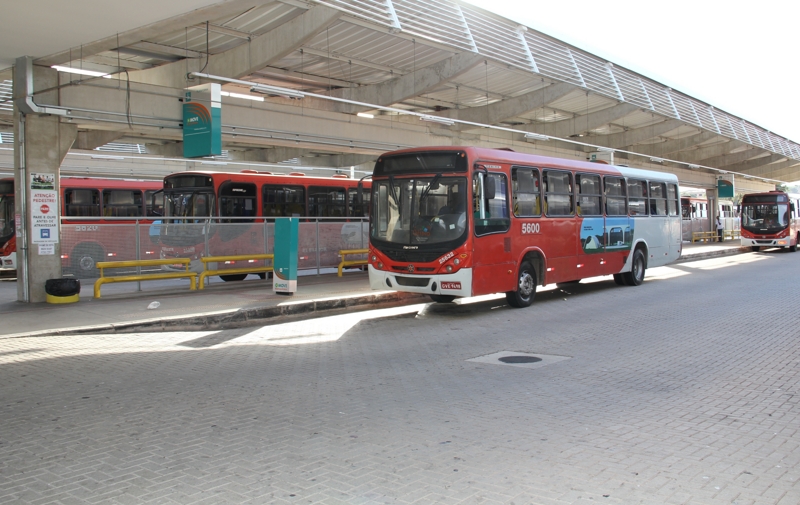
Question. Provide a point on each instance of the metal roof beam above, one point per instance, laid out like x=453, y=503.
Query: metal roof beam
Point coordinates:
x=634, y=136
x=583, y=124
x=247, y=58
x=407, y=86
x=511, y=107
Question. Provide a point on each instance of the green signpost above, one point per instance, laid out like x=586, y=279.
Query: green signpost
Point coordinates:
x=202, y=120
x=725, y=186
x=284, y=274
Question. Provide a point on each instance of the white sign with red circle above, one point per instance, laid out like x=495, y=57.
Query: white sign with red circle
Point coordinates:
x=44, y=205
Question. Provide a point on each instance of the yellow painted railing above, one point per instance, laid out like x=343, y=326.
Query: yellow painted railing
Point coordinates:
x=349, y=263
x=102, y=266
x=252, y=269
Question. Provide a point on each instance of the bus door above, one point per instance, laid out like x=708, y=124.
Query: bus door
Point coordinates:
x=560, y=228
x=591, y=240
x=619, y=232
x=492, y=259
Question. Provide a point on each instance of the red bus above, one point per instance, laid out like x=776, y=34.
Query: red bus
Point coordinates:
x=105, y=210
x=225, y=214
x=770, y=220
x=464, y=221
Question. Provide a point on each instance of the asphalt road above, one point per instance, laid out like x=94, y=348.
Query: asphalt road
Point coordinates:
x=679, y=391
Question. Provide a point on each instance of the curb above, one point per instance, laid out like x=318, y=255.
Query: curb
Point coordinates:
x=238, y=318
x=713, y=254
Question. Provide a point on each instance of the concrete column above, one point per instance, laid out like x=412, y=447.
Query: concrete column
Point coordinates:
x=40, y=144
x=713, y=208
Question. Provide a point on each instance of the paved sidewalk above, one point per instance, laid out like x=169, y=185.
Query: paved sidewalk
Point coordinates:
x=221, y=305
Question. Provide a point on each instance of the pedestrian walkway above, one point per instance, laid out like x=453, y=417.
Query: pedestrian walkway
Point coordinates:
x=222, y=305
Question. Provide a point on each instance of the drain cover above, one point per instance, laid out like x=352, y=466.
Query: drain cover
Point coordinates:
x=520, y=359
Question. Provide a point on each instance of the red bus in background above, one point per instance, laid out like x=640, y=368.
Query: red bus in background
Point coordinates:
x=770, y=220
x=225, y=214
x=94, y=237
x=8, y=240
x=464, y=221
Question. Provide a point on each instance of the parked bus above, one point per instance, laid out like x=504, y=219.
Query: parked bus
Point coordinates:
x=225, y=214
x=463, y=221
x=770, y=220
x=94, y=237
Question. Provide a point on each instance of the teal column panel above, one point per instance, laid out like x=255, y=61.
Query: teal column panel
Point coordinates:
x=284, y=275
x=202, y=121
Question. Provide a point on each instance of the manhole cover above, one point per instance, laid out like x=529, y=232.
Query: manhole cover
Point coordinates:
x=520, y=359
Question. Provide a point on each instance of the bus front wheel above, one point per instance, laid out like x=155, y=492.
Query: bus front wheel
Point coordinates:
x=523, y=295
x=636, y=276
x=755, y=248
x=442, y=298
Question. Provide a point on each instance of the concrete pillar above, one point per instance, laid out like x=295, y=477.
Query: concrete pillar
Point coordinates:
x=41, y=142
x=713, y=208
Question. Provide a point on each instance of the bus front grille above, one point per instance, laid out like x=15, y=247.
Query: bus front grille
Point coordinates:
x=416, y=282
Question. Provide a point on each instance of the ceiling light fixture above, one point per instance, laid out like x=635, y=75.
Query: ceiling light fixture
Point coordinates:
x=694, y=167
x=436, y=119
x=366, y=115
x=606, y=149
x=274, y=90
x=240, y=95
x=81, y=71
x=657, y=160
x=536, y=136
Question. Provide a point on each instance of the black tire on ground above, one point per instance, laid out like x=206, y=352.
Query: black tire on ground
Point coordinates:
x=442, y=298
x=62, y=287
x=233, y=277
x=84, y=261
x=619, y=280
x=793, y=248
x=526, y=287
x=755, y=248
x=636, y=276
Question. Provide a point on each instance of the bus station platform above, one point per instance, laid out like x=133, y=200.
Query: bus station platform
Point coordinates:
x=222, y=305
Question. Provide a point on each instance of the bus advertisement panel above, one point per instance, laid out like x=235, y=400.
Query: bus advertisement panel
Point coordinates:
x=463, y=221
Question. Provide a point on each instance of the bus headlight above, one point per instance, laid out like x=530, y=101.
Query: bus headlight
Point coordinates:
x=456, y=262
x=380, y=266
x=374, y=258
x=449, y=268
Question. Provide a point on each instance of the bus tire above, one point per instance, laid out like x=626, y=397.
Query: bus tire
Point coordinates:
x=443, y=298
x=636, y=276
x=793, y=248
x=619, y=280
x=233, y=277
x=755, y=248
x=526, y=287
x=84, y=261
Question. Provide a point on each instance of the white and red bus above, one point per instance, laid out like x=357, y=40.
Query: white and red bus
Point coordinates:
x=96, y=219
x=770, y=220
x=464, y=221
x=224, y=214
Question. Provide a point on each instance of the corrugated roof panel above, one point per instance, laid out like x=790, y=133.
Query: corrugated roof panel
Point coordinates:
x=497, y=38
x=596, y=74
x=724, y=124
x=375, y=11
x=631, y=87
x=553, y=60
x=659, y=98
x=438, y=20
x=755, y=136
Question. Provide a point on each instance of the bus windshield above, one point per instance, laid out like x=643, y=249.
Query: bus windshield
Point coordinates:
x=413, y=212
x=189, y=204
x=765, y=217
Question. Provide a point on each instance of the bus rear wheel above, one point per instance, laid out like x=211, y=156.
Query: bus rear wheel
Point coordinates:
x=233, y=277
x=526, y=287
x=442, y=298
x=636, y=276
x=84, y=261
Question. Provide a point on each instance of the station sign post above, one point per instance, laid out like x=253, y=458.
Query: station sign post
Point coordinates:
x=284, y=274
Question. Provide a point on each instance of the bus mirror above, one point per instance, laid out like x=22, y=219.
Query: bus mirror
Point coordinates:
x=488, y=187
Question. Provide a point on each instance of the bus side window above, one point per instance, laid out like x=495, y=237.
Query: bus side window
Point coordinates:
x=283, y=201
x=82, y=202
x=122, y=203
x=525, y=192
x=557, y=193
x=589, y=195
x=495, y=206
x=236, y=199
x=324, y=201
x=615, y=196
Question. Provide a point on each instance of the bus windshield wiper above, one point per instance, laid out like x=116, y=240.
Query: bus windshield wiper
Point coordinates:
x=427, y=190
x=392, y=190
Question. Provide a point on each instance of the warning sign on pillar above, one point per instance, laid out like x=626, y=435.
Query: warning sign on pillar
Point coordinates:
x=44, y=209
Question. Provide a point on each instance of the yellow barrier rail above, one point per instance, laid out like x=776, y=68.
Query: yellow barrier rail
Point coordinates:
x=104, y=265
x=711, y=236
x=349, y=263
x=233, y=271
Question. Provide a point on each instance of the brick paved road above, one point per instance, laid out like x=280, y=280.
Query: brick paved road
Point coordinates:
x=682, y=390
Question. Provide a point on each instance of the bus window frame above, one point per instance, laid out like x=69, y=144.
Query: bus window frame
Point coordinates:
x=580, y=194
x=623, y=197
x=284, y=205
x=537, y=204
x=644, y=198
x=96, y=202
x=570, y=194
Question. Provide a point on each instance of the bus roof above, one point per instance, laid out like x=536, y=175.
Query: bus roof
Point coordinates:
x=242, y=176
x=508, y=156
